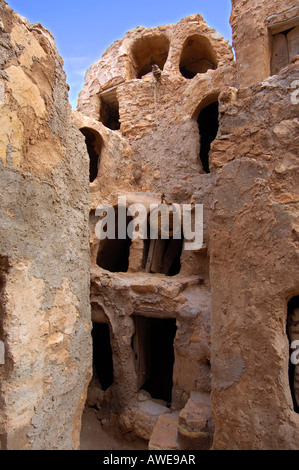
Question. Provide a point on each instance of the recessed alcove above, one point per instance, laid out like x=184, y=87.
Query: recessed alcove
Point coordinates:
x=285, y=46
x=198, y=56
x=163, y=255
x=148, y=51
x=109, y=109
x=102, y=355
x=208, y=128
x=113, y=254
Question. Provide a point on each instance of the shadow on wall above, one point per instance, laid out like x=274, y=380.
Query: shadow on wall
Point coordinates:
x=148, y=51
x=208, y=128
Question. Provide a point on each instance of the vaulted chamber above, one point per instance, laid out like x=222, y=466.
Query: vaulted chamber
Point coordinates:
x=198, y=56
x=148, y=51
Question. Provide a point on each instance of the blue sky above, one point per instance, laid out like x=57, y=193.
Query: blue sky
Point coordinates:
x=84, y=29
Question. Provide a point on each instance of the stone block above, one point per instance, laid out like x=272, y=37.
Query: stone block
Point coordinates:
x=165, y=433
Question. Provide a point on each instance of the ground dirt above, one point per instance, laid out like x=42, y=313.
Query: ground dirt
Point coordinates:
x=98, y=436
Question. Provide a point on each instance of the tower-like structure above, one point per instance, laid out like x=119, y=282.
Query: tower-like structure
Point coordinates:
x=185, y=347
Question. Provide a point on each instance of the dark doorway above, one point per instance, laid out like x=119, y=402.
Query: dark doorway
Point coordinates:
x=102, y=354
x=93, y=142
x=113, y=254
x=293, y=335
x=208, y=128
x=154, y=354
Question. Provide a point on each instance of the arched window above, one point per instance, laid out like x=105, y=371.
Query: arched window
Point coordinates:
x=93, y=142
x=197, y=56
x=293, y=335
x=148, y=51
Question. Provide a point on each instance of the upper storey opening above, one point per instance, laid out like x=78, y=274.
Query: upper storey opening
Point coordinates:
x=149, y=51
x=208, y=128
x=198, y=56
x=109, y=114
x=113, y=254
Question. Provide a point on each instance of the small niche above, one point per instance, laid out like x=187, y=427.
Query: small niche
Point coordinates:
x=109, y=109
x=93, y=142
x=293, y=335
x=113, y=254
x=102, y=355
x=197, y=56
x=208, y=128
x=148, y=51
x=153, y=345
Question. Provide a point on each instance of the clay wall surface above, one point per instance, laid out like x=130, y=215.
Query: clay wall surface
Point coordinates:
x=253, y=23
x=138, y=135
x=253, y=238
x=45, y=312
x=254, y=266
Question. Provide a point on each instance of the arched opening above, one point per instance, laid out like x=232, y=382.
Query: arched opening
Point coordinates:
x=197, y=56
x=113, y=254
x=293, y=335
x=93, y=142
x=208, y=128
x=148, y=51
x=153, y=345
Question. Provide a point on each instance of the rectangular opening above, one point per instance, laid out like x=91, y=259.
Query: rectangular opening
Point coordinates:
x=102, y=355
x=285, y=42
x=163, y=256
x=109, y=114
x=154, y=355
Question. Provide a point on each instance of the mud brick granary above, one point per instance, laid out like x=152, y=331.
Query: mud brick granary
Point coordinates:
x=183, y=348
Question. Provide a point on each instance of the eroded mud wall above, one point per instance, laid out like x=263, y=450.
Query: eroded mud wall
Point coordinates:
x=45, y=312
